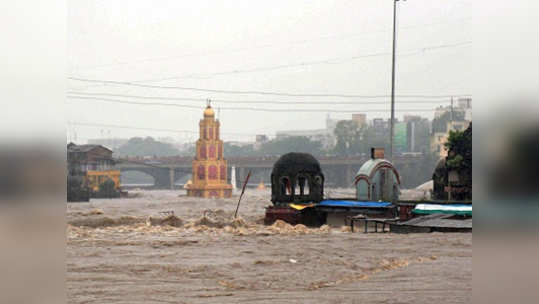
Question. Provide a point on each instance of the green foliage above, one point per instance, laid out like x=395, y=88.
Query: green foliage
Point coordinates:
x=107, y=189
x=276, y=146
x=231, y=150
x=348, y=135
x=353, y=139
x=455, y=162
x=291, y=144
x=138, y=146
x=459, y=145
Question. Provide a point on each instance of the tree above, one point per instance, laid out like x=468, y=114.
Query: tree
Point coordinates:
x=287, y=144
x=373, y=138
x=459, y=160
x=459, y=147
x=232, y=150
x=138, y=146
x=348, y=135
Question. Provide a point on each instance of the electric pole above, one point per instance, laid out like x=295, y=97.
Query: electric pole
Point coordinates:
x=392, y=125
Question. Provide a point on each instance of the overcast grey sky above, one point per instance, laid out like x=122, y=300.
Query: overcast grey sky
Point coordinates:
x=300, y=47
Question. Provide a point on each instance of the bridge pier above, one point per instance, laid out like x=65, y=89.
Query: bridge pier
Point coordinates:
x=242, y=174
x=171, y=175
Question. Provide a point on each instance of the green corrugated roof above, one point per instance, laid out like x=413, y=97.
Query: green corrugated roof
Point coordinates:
x=368, y=166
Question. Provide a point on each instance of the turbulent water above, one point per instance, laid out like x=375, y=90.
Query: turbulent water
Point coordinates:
x=163, y=247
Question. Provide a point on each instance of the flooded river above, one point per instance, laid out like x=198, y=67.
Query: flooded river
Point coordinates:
x=163, y=247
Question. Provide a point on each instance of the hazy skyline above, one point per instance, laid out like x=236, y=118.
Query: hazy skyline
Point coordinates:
x=298, y=47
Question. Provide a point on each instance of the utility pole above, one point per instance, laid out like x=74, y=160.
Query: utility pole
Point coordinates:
x=392, y=126
x=451, y=109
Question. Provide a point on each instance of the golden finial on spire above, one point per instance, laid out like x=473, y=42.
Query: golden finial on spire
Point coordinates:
x=209, y=111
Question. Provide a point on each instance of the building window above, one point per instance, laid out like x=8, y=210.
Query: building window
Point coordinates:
x=211, y=133
x=220, y=154
x=201, y=172
x=223, y=173
x=213, y=172
x=203, y=151
x=212, y=151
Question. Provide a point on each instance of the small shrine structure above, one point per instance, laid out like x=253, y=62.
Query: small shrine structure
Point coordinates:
x=377, y=179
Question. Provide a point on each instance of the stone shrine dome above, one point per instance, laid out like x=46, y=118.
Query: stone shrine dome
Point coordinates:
x=296, y=177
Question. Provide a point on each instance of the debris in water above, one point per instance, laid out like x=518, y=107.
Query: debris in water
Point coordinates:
x=346, y=229
x=170, y=220
x=106, y=222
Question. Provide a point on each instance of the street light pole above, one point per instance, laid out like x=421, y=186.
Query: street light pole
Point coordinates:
x=392, y=126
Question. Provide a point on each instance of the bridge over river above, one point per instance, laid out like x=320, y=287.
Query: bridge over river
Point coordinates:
x=338, y=171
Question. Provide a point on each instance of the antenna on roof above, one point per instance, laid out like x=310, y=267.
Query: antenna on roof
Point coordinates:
x=208, y=102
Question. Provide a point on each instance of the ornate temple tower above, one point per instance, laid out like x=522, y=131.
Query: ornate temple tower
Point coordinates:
x=209, y=165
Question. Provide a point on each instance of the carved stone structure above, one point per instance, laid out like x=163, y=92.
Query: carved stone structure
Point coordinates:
x=296, y=177
x=209, y=166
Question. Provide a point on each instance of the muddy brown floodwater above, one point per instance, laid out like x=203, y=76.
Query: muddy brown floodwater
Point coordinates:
x=163, y=247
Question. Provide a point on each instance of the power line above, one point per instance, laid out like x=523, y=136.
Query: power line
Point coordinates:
x=75, y=93
x=262, y=46
x=126, y=83
x=238, y=108
x=338, y=60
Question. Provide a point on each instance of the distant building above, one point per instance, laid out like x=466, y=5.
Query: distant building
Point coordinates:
x=380, y=124
x=95, y=163
x=90, y=157
x=321, y=135
x=460, y=117
x=465, y=102
x=240, y=143
x=462, y=105
x=325, y=136
x=260, y=140
x=360, y=119
x=438, y=139
x=408, y=118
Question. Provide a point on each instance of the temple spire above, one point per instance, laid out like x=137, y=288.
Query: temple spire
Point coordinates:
x=209, y=167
